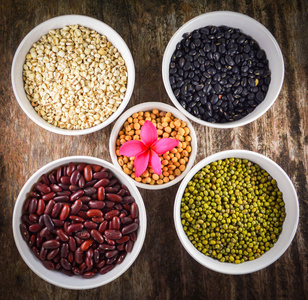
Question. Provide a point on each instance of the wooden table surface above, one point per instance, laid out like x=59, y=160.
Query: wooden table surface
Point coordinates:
x=163, y=270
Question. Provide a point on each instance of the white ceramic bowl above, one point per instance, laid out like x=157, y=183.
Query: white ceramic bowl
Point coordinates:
x=58, y=278
x=148, y=106
x=289, y=226
x=250, y=27
x=59, y=22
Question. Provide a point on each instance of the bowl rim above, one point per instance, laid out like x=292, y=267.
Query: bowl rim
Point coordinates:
x=206, y=261
x=22, y=247
x=145, y=106
x=220, y=15
x=100, y=27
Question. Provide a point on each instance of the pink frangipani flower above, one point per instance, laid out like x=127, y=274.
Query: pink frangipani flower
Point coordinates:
x=147, y=150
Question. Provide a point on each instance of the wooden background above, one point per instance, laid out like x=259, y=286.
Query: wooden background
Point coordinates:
x=163, y=269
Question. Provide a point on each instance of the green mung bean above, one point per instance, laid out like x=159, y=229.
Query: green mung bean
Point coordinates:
x=232, y=210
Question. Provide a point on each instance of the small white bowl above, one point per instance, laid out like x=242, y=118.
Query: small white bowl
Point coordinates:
x=250, y=27
x=148, y=106
x=58, y=278
x=59, y=22
x=289, y=226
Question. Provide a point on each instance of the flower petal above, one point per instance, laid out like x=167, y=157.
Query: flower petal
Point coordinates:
x=132, y=148
x=155, y=162
x=141, y=162
x=148, y=133
x=164, y=145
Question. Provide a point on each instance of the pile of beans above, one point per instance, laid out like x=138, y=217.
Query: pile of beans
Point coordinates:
x=74, y=77
x=232, y=210
x=173, y=162
x=80, y=219
x=219, y=74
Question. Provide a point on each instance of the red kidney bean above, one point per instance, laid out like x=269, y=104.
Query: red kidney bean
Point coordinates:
x=94, y=213
x=86, y=244
x=78, y=256
x=128, y=199
x=96, y=204
x=110, y=214
x=123, y=239
x=76, y=195
x=112, y=253
x=103, y=226
x=106, y=247
x=39, y=241
x=58, y=223
x=113, y=234
x=44, y=232
x=53, y=253
x=61, y=198
x=35, y=227
x=96, y=255
x=49, y=207
x=134, y=210
x=85, y=199
x=77, y=219
x=100, y=175
x=121, y=258
x=100, y=264
x=43, y=188
x=26, y=204
x=70, y=169
x=80, y=167
x=65, y=180
x=40, y=207
x=83, y=214
x=62, y=235
x=90, y=183
x=113, y=181
x=49, y=265
x=109, y=204
x=64, y=212
x=113, y=190
x=126, y=220
x=121, y=247
x=89, y=253
x=48, y=222
x=105, y=269
x=129, y=246
x=36, y=252
x=64, y=250
x=97, y=236
x=59, y=173
x=74, y=227
x=52, y=178
x=101, y=193
x=70, y=257
x=109, y=241
x=121, y=192
x=55, y=188
x=88, y=274
x=115, y=223
x=113, y=197
x=122, y=215
x=96, y=168
x=76, y=271
x=33, y=205
x=89, y=262
x=97, y=219
x=72, y=244
x=129, y=228
x=76, y=206
x=75, y=177
x=56, y=260
x=89, y=191
x=118, y=206
x=32, y=240
x=65, y=264
x=67, y=272
x=88, y=175
x=63, y=186
x=33, y=218
x=111, y=260
x=83, y=234
x=81, y=182
x=43, y=254
x=24, y=232
x=35, y=194
x=104, y=182
x=74, y=188
x=49, y=196
x=45, y=179
x=90, y=225
x=51, y=244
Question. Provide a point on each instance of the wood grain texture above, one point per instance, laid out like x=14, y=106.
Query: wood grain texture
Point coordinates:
x=163, y=269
